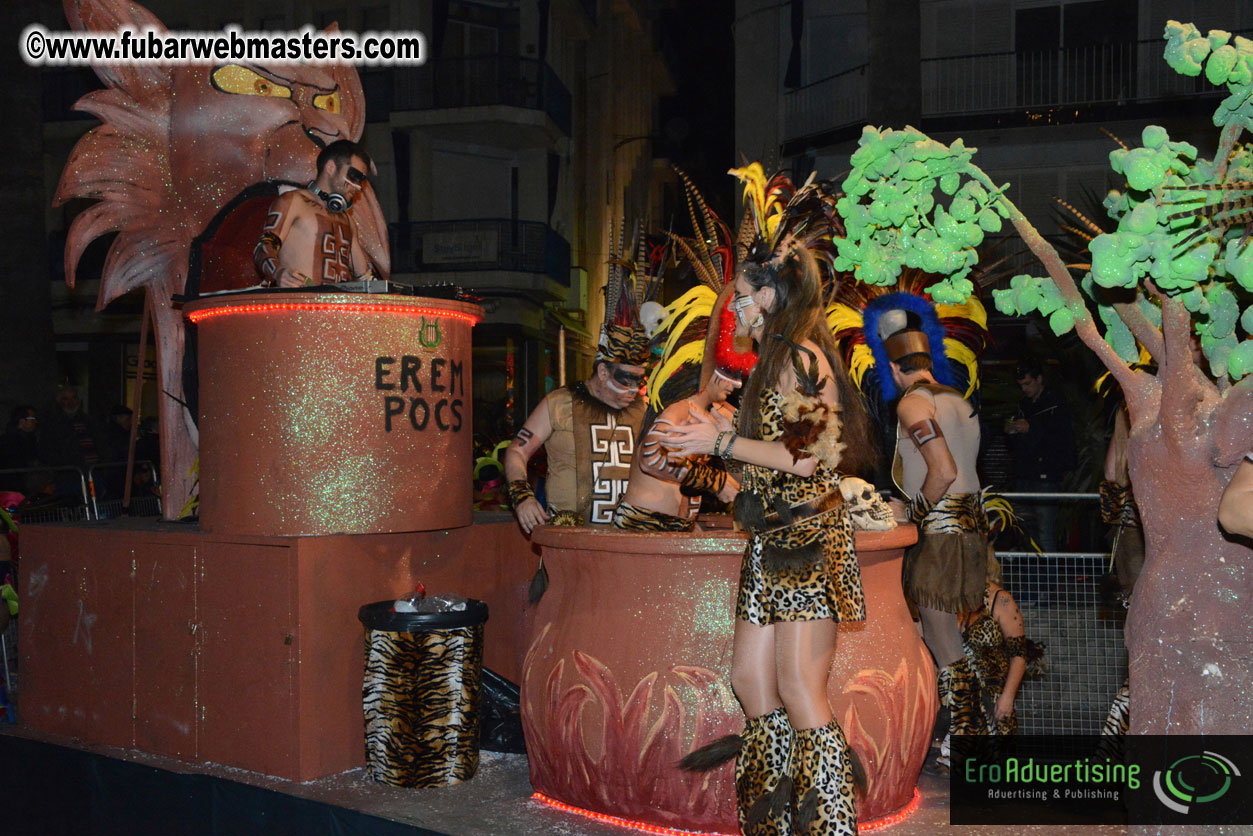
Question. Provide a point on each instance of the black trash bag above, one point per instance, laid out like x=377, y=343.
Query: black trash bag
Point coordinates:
x=500, y=717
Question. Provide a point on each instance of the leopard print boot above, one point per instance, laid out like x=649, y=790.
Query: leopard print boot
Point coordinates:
x=822, y=772
x=761, y=775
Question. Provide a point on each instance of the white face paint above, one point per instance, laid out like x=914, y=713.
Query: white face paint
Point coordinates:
x=739, y=304
x=616, y=389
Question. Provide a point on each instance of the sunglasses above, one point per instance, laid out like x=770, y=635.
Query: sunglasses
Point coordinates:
x=625, y=378
x=355, y=175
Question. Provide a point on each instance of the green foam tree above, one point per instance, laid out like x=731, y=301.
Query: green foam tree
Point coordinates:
x=1174, y=279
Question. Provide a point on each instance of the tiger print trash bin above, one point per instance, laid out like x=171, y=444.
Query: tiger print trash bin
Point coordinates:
x=423, y=680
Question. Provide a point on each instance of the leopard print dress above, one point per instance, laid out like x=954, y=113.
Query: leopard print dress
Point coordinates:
x=988, y=654
x=829, y=588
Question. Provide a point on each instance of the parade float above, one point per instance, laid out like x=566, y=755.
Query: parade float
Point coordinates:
x=331, y=432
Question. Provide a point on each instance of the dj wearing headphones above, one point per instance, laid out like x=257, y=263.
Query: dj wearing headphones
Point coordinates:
x=309, y=236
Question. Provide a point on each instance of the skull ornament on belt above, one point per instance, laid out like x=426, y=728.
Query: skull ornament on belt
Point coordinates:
x=866, y=507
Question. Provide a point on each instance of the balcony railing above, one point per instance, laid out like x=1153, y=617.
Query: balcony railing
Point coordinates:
x=486, y=80
x=1116, y=73
x=1002, y=82
x=491, y=244
x=830, y=103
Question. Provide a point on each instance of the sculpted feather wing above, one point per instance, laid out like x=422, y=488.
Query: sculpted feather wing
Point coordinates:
x=139, y=80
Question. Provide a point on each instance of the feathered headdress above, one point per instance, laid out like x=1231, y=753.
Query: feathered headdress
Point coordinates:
x=681, y=336
x=633, y=281
x=863, y=316
x=780, y=217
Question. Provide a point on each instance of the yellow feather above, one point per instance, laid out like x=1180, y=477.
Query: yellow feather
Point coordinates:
x=861, y=362
x=960, y=353
x=697, y=302
x=754, y=180
x=972, y=309
x=841, y=317
x=681, y=313
x=692, y=352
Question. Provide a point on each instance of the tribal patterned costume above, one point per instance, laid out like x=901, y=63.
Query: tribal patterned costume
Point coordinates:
x=591, y=446
x=333, y=237
x=808, y=569
x=589, y=455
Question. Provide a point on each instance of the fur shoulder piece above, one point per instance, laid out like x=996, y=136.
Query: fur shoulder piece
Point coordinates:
x=811, y=428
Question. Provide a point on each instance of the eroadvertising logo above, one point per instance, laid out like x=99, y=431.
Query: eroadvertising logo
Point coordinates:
x=1079, y=780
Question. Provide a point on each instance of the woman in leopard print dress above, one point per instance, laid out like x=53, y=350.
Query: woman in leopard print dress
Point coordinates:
x=800, y=419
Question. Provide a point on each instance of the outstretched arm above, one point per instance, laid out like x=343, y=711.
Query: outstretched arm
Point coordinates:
x=712, y=433
x=656, y=461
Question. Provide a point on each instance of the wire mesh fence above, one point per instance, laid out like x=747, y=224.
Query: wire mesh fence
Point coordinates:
x=83, y=495
x=1064, y=608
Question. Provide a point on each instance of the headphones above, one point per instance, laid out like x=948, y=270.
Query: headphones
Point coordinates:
x=335, y=202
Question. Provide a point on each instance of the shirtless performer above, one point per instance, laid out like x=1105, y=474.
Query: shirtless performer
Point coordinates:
x=937, y=443
x=309, y=236
x=663, y=493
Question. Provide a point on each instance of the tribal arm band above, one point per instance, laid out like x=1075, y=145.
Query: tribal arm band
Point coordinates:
x=519, y=492
x=702, y=477
x=265, y=255
x=924, y=431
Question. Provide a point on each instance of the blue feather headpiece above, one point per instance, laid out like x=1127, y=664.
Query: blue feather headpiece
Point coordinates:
x=930, y=326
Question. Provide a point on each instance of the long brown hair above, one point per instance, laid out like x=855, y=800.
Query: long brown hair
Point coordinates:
x=796, y=317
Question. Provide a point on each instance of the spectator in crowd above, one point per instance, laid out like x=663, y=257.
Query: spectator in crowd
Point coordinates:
x=1043, y=443
x=19, y=449
x=68, y=440
x=115, y=447
x=147, y=452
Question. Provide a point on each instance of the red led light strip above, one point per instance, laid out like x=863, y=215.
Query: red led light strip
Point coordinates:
x=353, y=307
x=863, y=827
x=608, y=819
x=896, y=818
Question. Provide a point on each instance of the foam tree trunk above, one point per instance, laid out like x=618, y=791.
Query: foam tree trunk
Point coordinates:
x=179, y=438
x=1188, y=631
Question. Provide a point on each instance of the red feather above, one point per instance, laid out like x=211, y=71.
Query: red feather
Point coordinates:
x=725, y=355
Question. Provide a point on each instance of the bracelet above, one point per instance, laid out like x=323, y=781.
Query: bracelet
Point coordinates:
x=726, y=454
x=519, y=492
x=718, y=442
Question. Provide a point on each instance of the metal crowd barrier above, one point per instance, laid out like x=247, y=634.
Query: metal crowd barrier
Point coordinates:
x=1060, y=596
x=92, y=507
